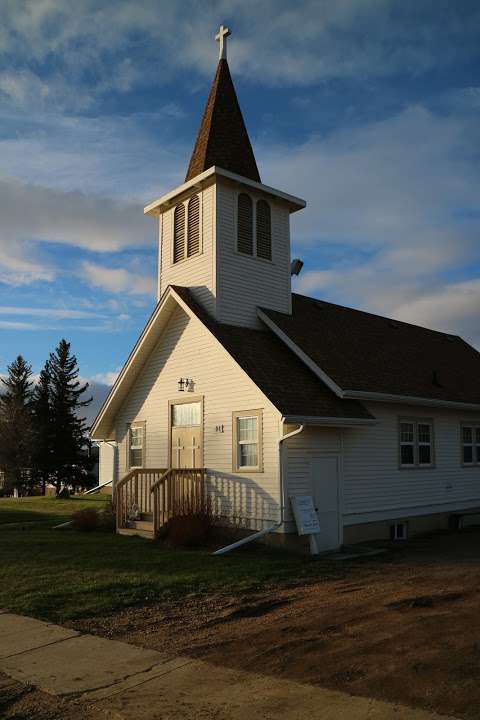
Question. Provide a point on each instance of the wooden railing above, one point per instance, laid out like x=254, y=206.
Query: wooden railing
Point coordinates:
x=133, y=491
x=179, y=491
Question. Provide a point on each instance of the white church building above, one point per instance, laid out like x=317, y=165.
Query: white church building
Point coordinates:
x=242, y=391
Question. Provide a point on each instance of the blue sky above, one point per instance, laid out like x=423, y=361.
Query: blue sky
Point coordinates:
x=368, y=109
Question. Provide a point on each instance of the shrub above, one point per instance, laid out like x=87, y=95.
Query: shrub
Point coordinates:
x=190, y=529
x=107, y=520
x=86, y=520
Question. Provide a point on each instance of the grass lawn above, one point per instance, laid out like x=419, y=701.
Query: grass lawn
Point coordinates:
x=46, y=509
x=62, y=574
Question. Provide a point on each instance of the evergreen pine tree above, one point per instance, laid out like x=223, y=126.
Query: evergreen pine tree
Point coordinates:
x=43, y=448
x=16, y=425
x=69, y=436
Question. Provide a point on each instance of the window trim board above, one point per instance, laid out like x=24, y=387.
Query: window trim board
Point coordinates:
x=236, y=414
x=130, y=425
x=476, y=456
x=416, y=421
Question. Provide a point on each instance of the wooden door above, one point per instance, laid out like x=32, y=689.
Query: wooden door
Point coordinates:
x=186, y=435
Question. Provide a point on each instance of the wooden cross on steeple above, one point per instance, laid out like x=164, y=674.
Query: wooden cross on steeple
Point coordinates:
x=221, y=38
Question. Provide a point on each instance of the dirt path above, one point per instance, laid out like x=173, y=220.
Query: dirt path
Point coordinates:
x=403, y=628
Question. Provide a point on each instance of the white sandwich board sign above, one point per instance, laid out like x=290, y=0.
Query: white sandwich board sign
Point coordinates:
x=304, y=513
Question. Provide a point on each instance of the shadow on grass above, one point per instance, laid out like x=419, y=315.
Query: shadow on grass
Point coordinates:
x=61, y=575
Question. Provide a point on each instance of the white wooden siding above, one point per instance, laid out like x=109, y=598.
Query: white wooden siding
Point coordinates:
x=373, y=484
x=245, y=282
x=372, y=487
x=106, y=462
x=196, y=272
x=187, y=350
x=298, y=452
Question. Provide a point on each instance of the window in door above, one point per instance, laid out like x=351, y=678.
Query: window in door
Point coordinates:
x=186, y=414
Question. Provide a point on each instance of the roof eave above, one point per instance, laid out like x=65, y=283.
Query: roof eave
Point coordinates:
x=329, y=421
x=165, y=201
x=409, y=400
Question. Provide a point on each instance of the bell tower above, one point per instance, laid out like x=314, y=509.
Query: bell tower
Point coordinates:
x=223, y=233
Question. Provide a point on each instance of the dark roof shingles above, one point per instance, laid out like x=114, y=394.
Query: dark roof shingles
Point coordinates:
x=279, y=374
x=222, y=139
x=362, y=351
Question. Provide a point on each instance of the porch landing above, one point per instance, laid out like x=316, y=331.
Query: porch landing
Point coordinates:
x=143, y=527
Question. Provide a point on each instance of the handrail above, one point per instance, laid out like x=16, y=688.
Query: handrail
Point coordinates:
x=132, y=490
x=178, y=491
x=161, y=479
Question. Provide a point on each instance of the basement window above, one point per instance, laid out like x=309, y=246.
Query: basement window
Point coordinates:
x=398, y=531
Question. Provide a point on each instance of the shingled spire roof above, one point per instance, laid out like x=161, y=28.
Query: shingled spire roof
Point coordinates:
x=222, y=138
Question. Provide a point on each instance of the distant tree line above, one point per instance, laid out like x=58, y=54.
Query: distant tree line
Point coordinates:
x=43, y=438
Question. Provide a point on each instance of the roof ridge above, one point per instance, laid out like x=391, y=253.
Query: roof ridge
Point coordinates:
x=381, y=317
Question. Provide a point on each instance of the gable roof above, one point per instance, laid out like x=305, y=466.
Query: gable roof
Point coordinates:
x=278, y=373
x=287, y=383
x=222, y=139
x=361, y=353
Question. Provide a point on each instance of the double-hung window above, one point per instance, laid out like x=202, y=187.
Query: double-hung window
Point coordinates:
x=247, y=441
x=416, y=443
x=136, y=445
x=470, y=444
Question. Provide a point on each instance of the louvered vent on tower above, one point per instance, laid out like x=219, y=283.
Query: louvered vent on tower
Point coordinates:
x=264, y=230
x=179, y=233
x=245, y=224
x=193, y=238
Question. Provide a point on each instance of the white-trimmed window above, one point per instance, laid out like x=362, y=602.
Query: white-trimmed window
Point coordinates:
x=470, y=444
x=416, y=443
x=136, y=445
x=247, y=441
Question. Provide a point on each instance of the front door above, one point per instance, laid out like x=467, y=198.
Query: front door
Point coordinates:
x=186, y=435
x=325, y=486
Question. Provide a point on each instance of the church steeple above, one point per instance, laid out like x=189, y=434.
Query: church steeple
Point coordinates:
x=222, y=139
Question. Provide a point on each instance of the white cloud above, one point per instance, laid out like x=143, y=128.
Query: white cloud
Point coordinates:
x=106, y=378
x=14, y=325
x=32, y=215
x=392, y=210
x=62, y=313
x=117, y=280
x=453, y=307
x=311, y=41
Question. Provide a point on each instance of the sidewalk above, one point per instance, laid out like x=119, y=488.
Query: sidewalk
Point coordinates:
x=124, y=681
